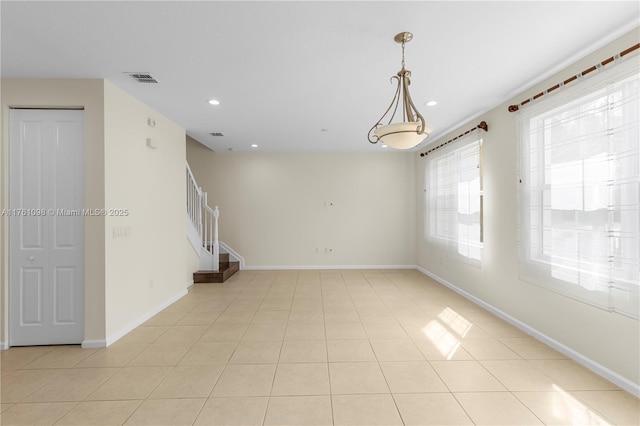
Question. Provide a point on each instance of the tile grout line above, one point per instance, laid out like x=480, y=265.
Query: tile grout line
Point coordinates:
x=275, y=373
x=326, y=347
x=395, y=404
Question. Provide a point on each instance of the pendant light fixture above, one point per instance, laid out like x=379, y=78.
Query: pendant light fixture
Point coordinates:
x=411, y=130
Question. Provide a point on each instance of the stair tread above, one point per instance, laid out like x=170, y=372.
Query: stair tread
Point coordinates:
x=222, y=268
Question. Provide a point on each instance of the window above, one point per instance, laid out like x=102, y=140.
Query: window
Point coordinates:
x=580, y=190
x=454, y=176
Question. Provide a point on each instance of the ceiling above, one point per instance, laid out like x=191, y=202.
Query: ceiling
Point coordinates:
x=306, y=76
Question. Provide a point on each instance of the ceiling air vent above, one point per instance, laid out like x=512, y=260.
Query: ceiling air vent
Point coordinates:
x=216, y=134
x=142, y=77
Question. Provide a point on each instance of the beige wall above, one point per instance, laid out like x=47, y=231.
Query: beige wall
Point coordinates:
x=145, y=268
x=275, y=207
x=611, y=340
x=126, y=278
x=64, y=93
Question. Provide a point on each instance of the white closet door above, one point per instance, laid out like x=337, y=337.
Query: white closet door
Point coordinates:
x=46, y=249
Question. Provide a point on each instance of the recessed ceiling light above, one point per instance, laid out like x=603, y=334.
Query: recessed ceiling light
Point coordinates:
x=214, y=102
x=384, y=146
x=431, y=103
x=254, y=146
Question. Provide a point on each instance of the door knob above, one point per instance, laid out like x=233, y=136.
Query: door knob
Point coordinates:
x=31, y=258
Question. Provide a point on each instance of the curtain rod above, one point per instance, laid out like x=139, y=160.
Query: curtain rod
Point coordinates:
x=482, y=125
x=514, y=108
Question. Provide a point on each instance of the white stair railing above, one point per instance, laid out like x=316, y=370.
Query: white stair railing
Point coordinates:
x=205, y=221
x=194, y=201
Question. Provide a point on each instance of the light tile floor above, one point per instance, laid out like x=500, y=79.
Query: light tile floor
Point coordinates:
x=312, y=347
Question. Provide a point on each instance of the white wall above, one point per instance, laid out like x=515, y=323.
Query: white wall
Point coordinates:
x=608, y=340
x=275, y=208
x=144, y=269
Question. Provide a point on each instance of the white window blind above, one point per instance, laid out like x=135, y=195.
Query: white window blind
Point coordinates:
x=454, y=200
x=580, y=190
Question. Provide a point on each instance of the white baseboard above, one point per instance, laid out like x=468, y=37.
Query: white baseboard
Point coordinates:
x=4, y=346
x=612, y=376
x=311, y=267
x=189, y=284
x=90, y=344
x=132, y=325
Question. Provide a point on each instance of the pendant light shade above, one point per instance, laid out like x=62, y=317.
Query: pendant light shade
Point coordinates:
x=402, y=135
x=409, y=130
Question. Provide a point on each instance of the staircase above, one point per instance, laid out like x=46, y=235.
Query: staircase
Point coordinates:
x=202, y=233
x=225, y=270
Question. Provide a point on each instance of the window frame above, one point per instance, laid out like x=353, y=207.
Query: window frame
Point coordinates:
x=616, y=295
x=448, y=244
